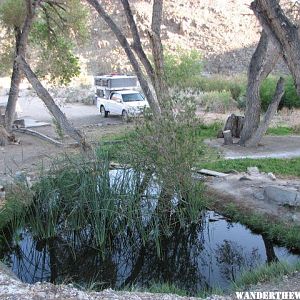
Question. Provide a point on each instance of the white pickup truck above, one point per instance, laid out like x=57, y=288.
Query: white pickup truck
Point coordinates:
x=116, y=95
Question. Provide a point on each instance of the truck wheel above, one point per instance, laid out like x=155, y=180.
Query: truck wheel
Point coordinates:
x=103, y=112
x=124, y=116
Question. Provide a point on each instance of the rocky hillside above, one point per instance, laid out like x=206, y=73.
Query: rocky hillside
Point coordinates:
x=225, y=32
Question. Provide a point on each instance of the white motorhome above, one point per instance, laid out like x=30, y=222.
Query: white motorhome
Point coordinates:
x=119, y=95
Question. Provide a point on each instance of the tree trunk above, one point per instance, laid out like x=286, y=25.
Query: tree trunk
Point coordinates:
x=43, y=94
x=160, y=85
x=16, y=78
x=21, y=35
x=263, y=126
x=262, y=63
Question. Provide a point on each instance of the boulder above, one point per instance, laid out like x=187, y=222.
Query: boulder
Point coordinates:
x=253, y=171
x=282, y=196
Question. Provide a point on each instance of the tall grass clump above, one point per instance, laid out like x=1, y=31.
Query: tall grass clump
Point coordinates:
x=265, y=273
x=80, y=200
x=166, y=150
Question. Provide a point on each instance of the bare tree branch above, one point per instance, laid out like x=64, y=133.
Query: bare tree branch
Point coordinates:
x=157, y=14
x=137, y=45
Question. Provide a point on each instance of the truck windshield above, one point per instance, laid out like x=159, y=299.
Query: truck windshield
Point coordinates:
x=132, y=97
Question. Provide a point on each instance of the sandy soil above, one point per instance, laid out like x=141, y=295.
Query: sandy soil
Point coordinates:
x=33, y=153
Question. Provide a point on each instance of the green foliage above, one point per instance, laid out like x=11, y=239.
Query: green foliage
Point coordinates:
x=265, y=273
x=161, y=288
x=64, y=64
x=182, y=66
x=236, y=86
x=290, y=98
x=275, y=165
x=52, y=37
x=18, y=197
x=12, y=13
x=281, y=130
x=217, y=101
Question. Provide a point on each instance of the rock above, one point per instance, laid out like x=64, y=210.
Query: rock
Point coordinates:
x=295, y=218
x=271, y=176
x=244, y=178
x=259, y=196
x=20, y=176
x=282, y=196
x=253, y=171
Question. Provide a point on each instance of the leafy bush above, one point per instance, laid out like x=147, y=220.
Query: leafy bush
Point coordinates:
x=216, y=84
x=290, y=98
x=182, y=66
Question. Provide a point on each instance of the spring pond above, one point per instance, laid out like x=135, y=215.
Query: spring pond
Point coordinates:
x=209, y=254
x=206, y=256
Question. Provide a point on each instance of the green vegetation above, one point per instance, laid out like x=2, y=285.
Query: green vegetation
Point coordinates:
x=18, y=196
x=52, y=37
x=287, y=167
x=160, y=288
x=179, y=68
x=290, y=99
x=265, y=273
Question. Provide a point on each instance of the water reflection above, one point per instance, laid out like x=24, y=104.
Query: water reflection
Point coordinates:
x=209, y=254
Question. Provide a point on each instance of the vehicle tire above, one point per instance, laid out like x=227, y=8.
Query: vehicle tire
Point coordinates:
x=103, y=112
x=124, y=116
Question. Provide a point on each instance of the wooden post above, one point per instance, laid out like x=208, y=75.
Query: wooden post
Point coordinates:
x=227, y=137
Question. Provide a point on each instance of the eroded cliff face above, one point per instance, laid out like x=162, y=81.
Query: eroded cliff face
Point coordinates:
x=225, y=32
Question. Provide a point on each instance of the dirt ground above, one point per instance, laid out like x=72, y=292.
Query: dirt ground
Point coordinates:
x=270, y=146
x=246, y=191
x=33, y=153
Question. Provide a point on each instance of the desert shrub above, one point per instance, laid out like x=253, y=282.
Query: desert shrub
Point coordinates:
x=182, y=66
x=217, y=101
x=290, y=98
x=217, y=84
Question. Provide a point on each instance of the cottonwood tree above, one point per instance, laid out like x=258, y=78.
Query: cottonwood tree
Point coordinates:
x=43, y=24
x=261, y=64
x=280, y=37
x=157, y=92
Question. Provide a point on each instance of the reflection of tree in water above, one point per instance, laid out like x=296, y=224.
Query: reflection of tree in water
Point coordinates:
x=123, y=264
x=232, y=259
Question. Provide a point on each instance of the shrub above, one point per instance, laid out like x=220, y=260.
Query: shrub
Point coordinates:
x=182, y=66
x=217, y=101
x=216, y=84
x=290, y=98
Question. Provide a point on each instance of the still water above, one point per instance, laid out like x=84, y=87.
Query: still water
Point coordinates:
x=210, y=254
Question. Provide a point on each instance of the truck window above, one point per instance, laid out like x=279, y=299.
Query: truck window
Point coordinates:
x=100, y=93
x=132, y=97
x=116, y=97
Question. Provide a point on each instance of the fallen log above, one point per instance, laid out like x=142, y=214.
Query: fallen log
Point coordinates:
x=40, y=136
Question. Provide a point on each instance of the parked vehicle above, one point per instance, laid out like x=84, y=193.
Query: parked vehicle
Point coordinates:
x=118, y=95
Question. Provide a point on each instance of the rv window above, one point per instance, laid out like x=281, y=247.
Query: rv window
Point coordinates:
x=100, y=93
